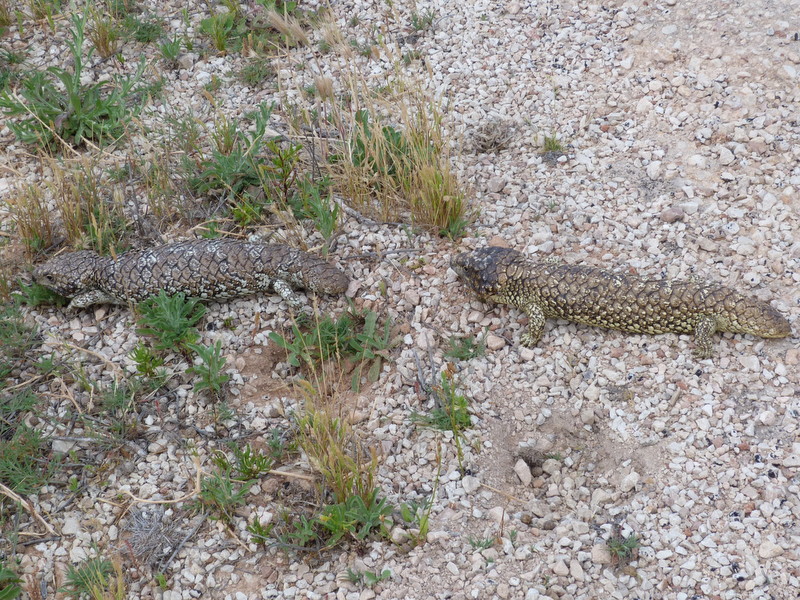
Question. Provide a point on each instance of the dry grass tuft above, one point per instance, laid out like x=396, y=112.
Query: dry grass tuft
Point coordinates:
x=31, y=216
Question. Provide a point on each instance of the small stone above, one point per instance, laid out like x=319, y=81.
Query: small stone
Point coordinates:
x=576, y=570
x=629, y=481
x=470, y=484
x=750, y=362
x=186, y=61
x=551, y=466
x=768, y=417
x=496, y=185
x=696, y=160
x=526, y=353
x=399, y=535
x=672, y=214
x=71, y=526
x=707, y=244
x=62, y=446
x=627, y=62
x=495, y=342
x=561, y=569
x=669, y=29
x=497, y=514
x=514, y=8
x=769, y=549
x=601, y=554
x=726, y=157
x=523, y=471
x=654, y=169
x=600, y=496
x=644, y=106
x=451, y=566
x=592, y=393
x=587, y=416
x=792, y=356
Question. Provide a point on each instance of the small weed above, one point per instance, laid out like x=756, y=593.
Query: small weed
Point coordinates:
x=10, y=583
x=221, y=494
x=346, y=468
x=423, y=21
x=57, y=105
x=623, y=550
x=210, y=369
x=219, y=28
x=147, y=362
x=24, y=464
x=17, y=338
x=171, y=320
x=481, y=543
x=103, y=32
x=410, y=56
x=98, y=578
x=418, y=515
x=315, y=201
x=251, y=464
x=90, y=218
x=465, y=348
x=144, y=31
x=368, y=578
x=451, y=411
x=554, y=456
x=35, y=294
x=261, y=533
x=31, y=215
x=170, y=51
x=552, y=145
x=354, y=335
x=256, y=72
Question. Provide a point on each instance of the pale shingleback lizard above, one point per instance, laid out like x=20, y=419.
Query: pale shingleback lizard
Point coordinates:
x=206, y=269
x=610, y=299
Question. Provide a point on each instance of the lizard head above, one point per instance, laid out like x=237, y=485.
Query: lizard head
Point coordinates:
x=69, y=274
x=484, y=270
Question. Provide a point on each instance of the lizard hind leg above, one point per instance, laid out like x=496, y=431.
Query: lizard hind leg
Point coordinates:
x=536, y=321
x=704, y=336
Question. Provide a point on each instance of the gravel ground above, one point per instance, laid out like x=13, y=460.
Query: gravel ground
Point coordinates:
x=682, y=148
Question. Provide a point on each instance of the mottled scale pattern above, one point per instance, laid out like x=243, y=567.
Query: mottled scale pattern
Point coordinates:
x=207, y=269
x=615, y=300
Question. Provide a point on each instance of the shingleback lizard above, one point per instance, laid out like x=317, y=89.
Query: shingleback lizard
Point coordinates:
x=206, y=269
x=610, y=299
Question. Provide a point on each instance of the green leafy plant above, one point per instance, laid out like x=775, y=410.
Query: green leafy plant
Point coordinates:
x=171, y=320
x=103, y=32
x=76, y=111
x=261, y=533
x=314, y=200
x=16, y=338
x=481, y=543
x=451, y=411
x=210, y=369
x=623, y=549
x=98, y=578
x=248, y=463
x=255, y=72
x=222, y=494
x=10, y=587
x=465, y=348
x=144, y=31
x=170, y=50
x=368, y=578
x=35, y=295
x=147, y=361
x=422, y=21
x=552, y=145
x=219, y=28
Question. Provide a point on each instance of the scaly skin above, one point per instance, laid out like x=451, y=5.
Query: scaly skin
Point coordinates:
x=614, y=300
x=206, y=269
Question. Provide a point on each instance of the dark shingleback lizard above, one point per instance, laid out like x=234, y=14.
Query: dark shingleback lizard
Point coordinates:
x=206, y=269
x=610, y=299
